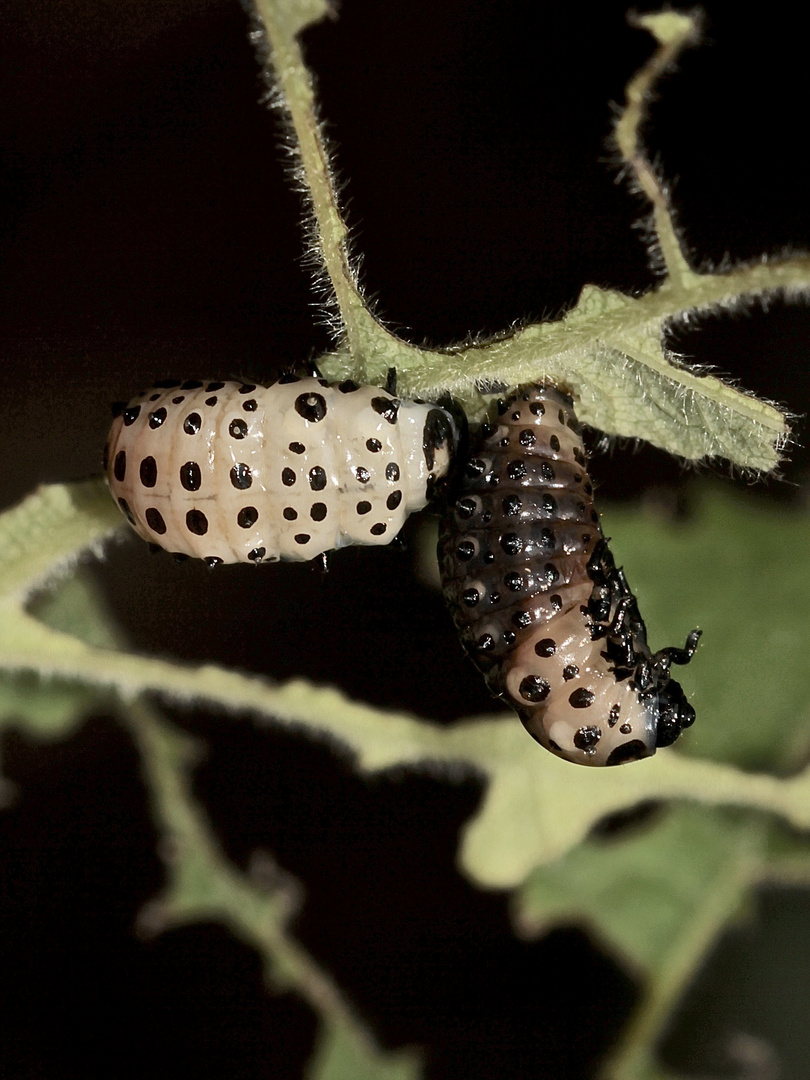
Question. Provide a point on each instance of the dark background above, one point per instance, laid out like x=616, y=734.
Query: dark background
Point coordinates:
x=147, y=230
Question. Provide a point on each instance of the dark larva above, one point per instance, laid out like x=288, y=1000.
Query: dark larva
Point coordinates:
x=223, y=478
x=539, y=603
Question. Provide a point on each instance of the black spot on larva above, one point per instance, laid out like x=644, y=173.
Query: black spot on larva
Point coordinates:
x=378, y=529
x=212, y=387
x=512, y=506
x=211, y=401
x=290, y=514
x=561, y=417
x=318, y=511
x=287, y=477
x=550, y=574
x=589, y=489
x=154, y=519
x=241, y=476
x=549, y=504
x=504, y=443
x=180, y=556
x=570, y=671
x=546, y=472
x=191, y=384
x=594, y=517
x=167, y=384
x=197, y=522
x=148, y=472
x=475, y=468
x=613, y=715
x=131, y=415
x=556, y=602
x=625, y=729
x=257, y=554
x=120, y=466
x=247, y=517
x=125, y=510
x=302, y=538
x=514, y=582
x=317, y=478
x=248, y=388
x=363, y=475
x=178, y=400
x=508, y=637
x=522, y=619
x=192, y=423
x=386, y=407
x=516, y=415
x=238, y=429
x=485, y=643
x=190, y=476
x=156, y=418
x=527, y=437
x=212, y=561
x=250, y=405
x=297, y=447
x=581, y=698
x=348, y=387
x=392, y=472
x=579, y=457
x=535, y=689
x=374, y=445
x=363, y=507
x=502, y=406
x=312, y=407
x=511, y=543
x=631, y=751
x=554, y=443
x=546, y=647
x=154, y=397
x=516, y=470
x=285, y=377
x=471, y=597
x=465, y=508
x=587, y=738
x=538, y=408
x=393, y=500
x=465, y=550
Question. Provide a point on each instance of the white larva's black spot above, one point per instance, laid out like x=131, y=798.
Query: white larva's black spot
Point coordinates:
x=318, y=511
x=393, y=500
x=250, y=405
x=362, y=474
x=554, y=443
x=238, y=429
x=374, y=445
x=191, y=384
x=302, y=538
x=120, y=466
x=312, y=407
x=247, y=517
x=392, y=472
x=289, y=514
x=388, y=408
x=131, y=415
x=317, y=478
x=257, y=554
x=570, y=671
x=287, y=477
x=586, y=738
x=348, y=387
x=378, y=529
x=148, y=472
x=546, y=647
x=296, y=447
x=241, y=476
x=156, y=418
x=190, y=476
x=197, y=522
x=214, y=386
x=363, y=507
x=192, y=423
x=211, y=402
x=154, y=519
x=527, y=438
x=212, y=561
x=178, y=400
x=248, y=388
x=534, y=689
x=125, y=510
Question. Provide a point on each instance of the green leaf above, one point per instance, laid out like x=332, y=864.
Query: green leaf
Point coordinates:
x=341, y=1055
x=45, y=707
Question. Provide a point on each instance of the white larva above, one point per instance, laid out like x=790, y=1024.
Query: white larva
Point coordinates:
x=234, y=472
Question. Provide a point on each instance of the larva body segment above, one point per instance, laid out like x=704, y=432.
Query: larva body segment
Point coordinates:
x=538, y=601
x=235, y=472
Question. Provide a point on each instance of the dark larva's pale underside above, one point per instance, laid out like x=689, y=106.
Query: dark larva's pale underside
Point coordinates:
x=234, y=472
